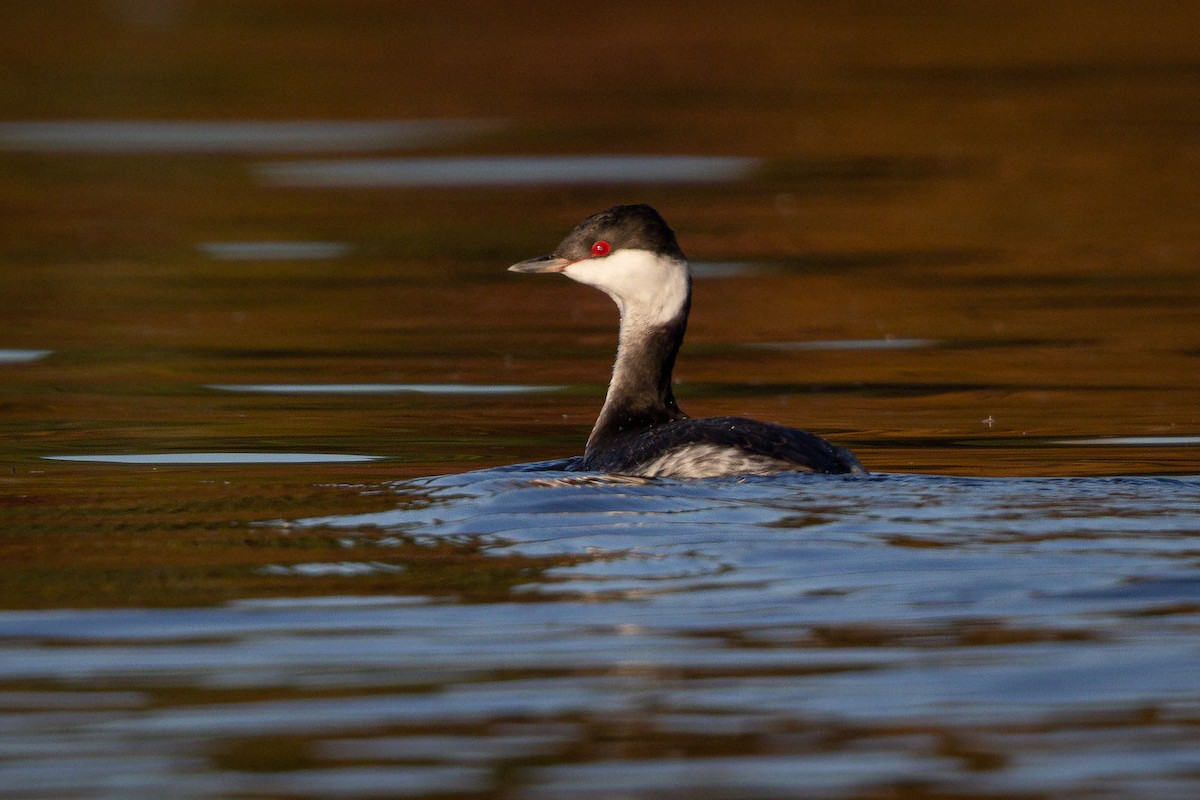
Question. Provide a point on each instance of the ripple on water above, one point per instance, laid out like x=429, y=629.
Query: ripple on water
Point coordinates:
x=274, y=251
x=507, y=171
x=749, y=536
x=232, y=136
x=887, y=343
x=765, y=776
x=725, y=269
x=382, y=388
x=980, y=636
x=217, y=458
x=22, y=356
x=1132, y=441
x=448, y=748
x=316, y=569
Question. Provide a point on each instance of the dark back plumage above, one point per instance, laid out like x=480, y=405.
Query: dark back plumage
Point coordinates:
x=628, y=454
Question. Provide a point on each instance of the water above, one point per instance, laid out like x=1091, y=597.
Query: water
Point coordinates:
x=215, y=458
x=260, y=251
x=261, y=532
x=506, y=171
x=382, y=388
x=722, y=638
x=9, y=356
x=224, y=137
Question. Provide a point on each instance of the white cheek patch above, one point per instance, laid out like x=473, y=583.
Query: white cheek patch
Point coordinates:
x=648, y=289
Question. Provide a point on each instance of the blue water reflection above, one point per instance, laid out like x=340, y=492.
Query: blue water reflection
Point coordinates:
x=383, y=388
x=113, y=137
x=274, y=251
x=855, y=632
x=13, y=356
x=507, y=171
x=214, y=458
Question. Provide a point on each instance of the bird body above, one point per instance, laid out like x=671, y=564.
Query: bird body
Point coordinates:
x=630, y=253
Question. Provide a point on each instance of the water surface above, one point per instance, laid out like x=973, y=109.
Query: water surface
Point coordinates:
x=507, y=171
x=229, y=136
x=980, y=637
x=216, y=458
x=265, y=381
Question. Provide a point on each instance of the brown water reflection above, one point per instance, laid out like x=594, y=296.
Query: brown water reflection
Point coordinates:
x=1011, y=189
x=1000, y=180
x=930, y=173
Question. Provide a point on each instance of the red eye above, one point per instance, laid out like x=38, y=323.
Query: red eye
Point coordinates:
x=601, y=249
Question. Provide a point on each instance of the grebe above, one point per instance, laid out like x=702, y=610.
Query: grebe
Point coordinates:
x=631, y=254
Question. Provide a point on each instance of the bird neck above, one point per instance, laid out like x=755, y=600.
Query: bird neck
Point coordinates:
x=639, y=394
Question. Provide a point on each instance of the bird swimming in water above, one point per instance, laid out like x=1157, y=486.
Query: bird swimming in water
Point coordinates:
x=630, y=253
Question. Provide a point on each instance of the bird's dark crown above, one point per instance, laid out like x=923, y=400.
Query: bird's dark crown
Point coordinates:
x=623, y=227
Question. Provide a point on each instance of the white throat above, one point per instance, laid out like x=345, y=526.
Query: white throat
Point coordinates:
x=649, y=290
